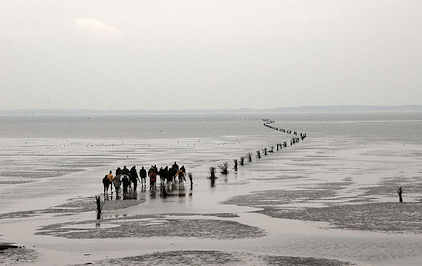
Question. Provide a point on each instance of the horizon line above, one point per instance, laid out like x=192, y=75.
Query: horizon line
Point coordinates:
x=240, y=109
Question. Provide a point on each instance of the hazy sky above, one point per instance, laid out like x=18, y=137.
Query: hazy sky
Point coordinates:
x=179, y=54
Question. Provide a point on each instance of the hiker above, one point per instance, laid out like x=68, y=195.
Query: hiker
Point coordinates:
x=152, y=177
x=125, y=171
x=106, y=184
x=117, y=183
x=134, y=177
x=118, y=171
x=181, y=175
x=99, y=207
x=143, y=175
x=167, y=174
x=175, y=166
x=162, y=176
x=172, y=174
x=126, y=184
x=110, y=178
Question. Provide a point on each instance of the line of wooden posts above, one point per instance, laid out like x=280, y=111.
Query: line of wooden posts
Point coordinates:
x=296, y=138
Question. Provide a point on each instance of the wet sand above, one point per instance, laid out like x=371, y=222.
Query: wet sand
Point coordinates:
x=150, y=226
x=11, y=254
x=385, y=216
x=211, y=257
x=328, y=201
x=73, y=206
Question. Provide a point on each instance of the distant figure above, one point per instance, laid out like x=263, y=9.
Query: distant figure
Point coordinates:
x=235, y=165
x=171, y=174
x=400, y=193
x=106, y=183
x=181, y=174
x=143, y=175
x=168, y=176
x=134, y=178
x=162, y=175
x=118, y=171
x=99, y=207
x=126, y=183
x=110, y=178
x=117, y=183
x=125, y=171
x=175, y=166
x=152, y=173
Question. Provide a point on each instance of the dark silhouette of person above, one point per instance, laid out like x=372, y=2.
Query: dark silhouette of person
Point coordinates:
x=143, y=175
x=176, y=166
x=134, y=178
x=162, y=176
x=152, y=173
x=106, y=184
x=167, y=174
x=126, y=183
x=400, y=193
x=172, y=174
x=118, y=171
x=99, y=207
x=125, y=170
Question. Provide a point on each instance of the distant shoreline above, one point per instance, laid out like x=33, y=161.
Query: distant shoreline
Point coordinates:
x=299, y=110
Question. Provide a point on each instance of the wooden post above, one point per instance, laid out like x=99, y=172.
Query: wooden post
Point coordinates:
x=191, y=180
x=224, y=168
x=212, y=176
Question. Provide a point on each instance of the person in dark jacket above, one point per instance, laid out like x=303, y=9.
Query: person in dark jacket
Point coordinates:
x=126, y=183
x=125, y=170
x=143, y=175
x=118, y=171
x=134, y=178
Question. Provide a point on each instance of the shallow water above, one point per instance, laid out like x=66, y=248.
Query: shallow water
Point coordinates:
x=351, y=157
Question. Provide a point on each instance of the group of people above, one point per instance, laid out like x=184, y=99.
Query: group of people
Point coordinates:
x=128, y=178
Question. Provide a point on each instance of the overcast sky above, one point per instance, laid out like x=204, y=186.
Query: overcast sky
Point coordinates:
x=96, y=54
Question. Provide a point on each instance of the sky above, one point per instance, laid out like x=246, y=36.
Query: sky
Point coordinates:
x=209, y=54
